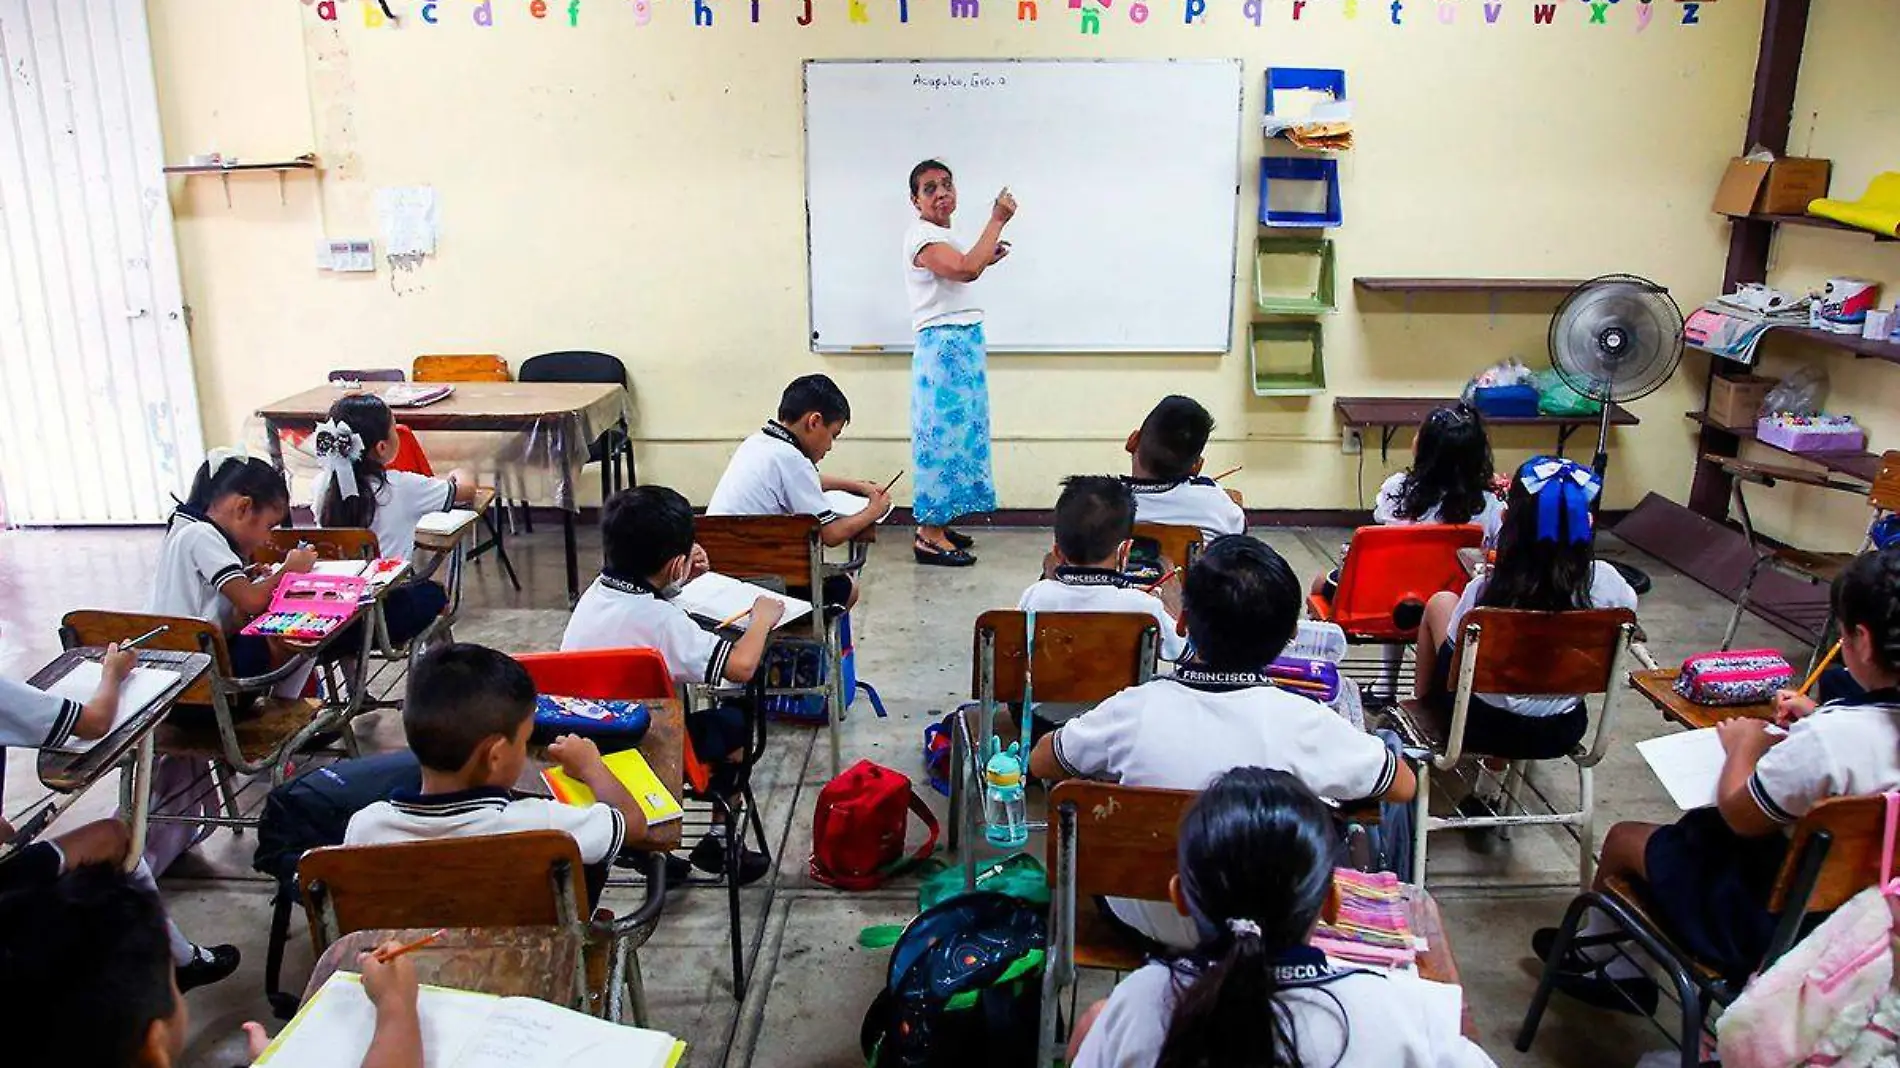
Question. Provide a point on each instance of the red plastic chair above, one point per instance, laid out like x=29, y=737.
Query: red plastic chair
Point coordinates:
x=409, y=454
x=1388, y=575
x=611, y=675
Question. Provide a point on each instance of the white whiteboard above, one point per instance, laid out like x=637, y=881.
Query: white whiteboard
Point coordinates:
x=1127, y=173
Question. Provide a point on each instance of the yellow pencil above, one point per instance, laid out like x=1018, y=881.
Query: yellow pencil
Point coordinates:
x=1815, y=675
x=386, y=956
x=734, y=618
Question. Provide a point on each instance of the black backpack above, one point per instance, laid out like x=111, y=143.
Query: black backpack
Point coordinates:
x=313, y=810
x=964, y=988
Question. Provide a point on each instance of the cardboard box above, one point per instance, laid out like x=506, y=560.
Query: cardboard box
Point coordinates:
x=1784, y=187
x=1736, y=402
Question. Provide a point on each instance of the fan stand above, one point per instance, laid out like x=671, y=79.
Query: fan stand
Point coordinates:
x=1637, y=578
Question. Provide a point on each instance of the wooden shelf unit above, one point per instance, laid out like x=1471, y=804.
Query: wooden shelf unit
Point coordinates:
x=1466, y=285
x=1814, y=222
x=1861, y=465
x=1862, y=347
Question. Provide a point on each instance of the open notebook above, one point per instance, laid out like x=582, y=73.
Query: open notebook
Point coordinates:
x=846, y=503
x=452, y=521
x=716, y=598
x=462, y=1029
x=1688, y=764
x=140, y=689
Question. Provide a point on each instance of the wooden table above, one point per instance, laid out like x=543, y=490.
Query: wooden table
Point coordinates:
x=1659, y=688
x=665, y=750
x=530, y=962
x=570, y=415
x=1436, y=961
x=1389, y=415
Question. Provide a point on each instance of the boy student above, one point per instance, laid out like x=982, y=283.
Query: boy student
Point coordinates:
x=1240, y=607
x=1095, y=520
x=648, y=531
x=467, y=715
x=1167, y=471
x=775, y=471
x=85, y=980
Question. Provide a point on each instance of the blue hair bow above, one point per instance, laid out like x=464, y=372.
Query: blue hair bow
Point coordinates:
x=1564, y=491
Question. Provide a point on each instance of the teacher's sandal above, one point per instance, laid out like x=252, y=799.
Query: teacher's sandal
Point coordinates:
x=934, y=556
x=958, y=538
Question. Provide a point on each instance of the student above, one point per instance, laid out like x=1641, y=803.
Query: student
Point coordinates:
x=203, y=564
x=1449, y=480
x=1095, y=520
x=1709, y=875
x=1255, y=858
x=467, y=715
x=1167, y=471
x=1240, y=607
x=648, y=535
x=1546, y=563
x=358, y=490
x=31, y=718
x=775, y=471
x=84, y=981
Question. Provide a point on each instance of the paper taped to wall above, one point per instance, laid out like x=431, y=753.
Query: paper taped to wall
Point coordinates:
x=410, y=218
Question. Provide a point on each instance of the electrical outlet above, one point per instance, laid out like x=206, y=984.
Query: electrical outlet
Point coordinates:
x=1350, y=443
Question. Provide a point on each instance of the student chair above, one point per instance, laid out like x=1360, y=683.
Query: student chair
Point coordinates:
x=613, y=445
x=442, y=367
x=1535, y=654
x=1178, y=545
x=1388, y=575
x=1074, y=658
x=343, y=376
x=1883, y=497
x=1835, y=853
x=1125, y=848
x=411, y=458
x=527, y=879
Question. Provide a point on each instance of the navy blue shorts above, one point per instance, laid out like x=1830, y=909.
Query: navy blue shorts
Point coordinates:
x=1710, y=888
x=250, y=655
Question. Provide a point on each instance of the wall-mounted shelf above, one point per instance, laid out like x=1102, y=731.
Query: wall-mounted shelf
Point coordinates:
x=1317, y=297
x=1466, y=285
x=1862, y=347
x=1861, y=465
x=305, y=162
x=1813, y=222
x=1302, y=376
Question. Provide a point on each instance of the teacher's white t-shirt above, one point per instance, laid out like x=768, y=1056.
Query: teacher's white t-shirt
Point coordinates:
x=935, y=300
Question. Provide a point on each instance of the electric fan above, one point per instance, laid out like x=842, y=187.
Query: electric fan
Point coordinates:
x=1615, y=339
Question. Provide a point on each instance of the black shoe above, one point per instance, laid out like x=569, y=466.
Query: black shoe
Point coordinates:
x=709, y=856
x=203, y=970
x=678, y=869
x=1483, y=840
x=958, y=538
x=932, y=556
x=1545, y=938
x=1637, y=996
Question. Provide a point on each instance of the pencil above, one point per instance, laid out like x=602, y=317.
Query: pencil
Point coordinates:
x=733, y=618
x=893, y=481
x=384, y=957
x=1229, y=471
x=147, y=636
x=1815, y=675
x=1160, y=582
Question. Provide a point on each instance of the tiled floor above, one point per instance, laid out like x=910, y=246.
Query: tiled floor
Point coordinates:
x=812, y=982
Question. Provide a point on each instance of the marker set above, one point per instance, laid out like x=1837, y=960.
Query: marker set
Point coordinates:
x=309, y=607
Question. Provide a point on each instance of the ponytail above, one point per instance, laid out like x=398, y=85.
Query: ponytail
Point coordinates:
x=227, y=473
x=1217, y=1011
x=372, y=423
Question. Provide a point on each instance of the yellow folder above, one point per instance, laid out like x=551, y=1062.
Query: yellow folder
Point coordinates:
x=634, y=773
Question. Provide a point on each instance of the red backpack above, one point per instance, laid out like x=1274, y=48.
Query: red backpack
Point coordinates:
x=857, y=834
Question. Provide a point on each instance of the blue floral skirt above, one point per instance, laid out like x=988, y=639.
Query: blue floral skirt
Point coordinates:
x=950, y=425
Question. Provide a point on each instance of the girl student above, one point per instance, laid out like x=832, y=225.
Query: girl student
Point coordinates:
x=357, y=489
x=203, y=564
x=1255, y=858
x=1450, y=480
x=1709, y=875
x=1546, y=563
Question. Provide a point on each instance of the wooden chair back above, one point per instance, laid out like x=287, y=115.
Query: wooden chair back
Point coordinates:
x=330, y=543
x=1178, y=545
x=529, y=879
x=748, y=546
x=1081, y=657
x=1544, y=653
x=1856, y=828
x=471, y=367
x=88, y=626
x=1125, y=838
x=1885, y=494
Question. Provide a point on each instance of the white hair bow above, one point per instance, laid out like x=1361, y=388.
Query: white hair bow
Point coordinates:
x=222, y=455
x=338, y=448
x=1243, y=928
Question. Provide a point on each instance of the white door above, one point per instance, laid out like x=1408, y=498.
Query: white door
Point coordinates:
x=98, y=409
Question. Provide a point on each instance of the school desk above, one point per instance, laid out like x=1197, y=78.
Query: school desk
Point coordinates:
x=129, y=746
x=665, y=749
x=1436, y=961
x=1389, y=415
x=1659, y=688
x=545, y=430
x=523, y=962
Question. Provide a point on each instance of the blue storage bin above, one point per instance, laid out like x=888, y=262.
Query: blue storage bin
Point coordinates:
x=1509, y=402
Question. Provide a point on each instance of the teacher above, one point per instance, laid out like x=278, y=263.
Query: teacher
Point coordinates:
x=950, y=392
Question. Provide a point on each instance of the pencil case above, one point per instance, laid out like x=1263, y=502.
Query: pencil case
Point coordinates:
x=1308, y=677
x=611, y=725
x=1735, y=677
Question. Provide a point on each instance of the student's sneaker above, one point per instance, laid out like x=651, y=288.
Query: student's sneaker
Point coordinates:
x=709, y=856
x=207, y=965
x=678, y=869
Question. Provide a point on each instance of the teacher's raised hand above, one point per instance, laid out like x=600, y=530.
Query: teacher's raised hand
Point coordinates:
x=1005, y=207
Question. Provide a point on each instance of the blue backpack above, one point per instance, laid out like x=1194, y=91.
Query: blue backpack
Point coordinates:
x=964, y=987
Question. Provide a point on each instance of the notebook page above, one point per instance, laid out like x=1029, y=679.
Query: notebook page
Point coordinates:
x=525, y=1033
x=716, y=598
x=140, y=688
x=336, y=1026
x=445, y=522
x=1689, y=765
x=846, y=503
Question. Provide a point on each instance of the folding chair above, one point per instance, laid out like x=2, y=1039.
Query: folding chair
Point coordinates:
x=1074, y=658
x=1126, y=848
x=1388, y=575
x=1835, y=854
x=1535, y=654
x=613, y=445
x=1816, y=567
x=529, y=879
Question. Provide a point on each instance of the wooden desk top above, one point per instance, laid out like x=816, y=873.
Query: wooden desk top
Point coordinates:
x=66, y=771
x=533, y=962
x=1437, y=962
x=1659, y=688
x=665, y=749
x=473, y=405
x=1411, y=411
x=1769, y=474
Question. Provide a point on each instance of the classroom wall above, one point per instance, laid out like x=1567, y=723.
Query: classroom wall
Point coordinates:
x=639, y=189
x=1847, y=109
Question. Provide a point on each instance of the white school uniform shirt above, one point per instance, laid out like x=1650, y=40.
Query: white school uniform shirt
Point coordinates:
x=935, y=300
x=1181, y=732
x=1095, y=589
x=1847, y=748
x=1188, y=502
x=195, y=561
x=1342, y=1016
x=407, y=816
x=616, y=613
x=31, y=718
x=402, y=500
x=1608, y=589
x=1385, y=511
x=770, y=474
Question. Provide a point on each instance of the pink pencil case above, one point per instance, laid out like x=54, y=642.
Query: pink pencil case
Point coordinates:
x=309, y=607
x=1735, y=677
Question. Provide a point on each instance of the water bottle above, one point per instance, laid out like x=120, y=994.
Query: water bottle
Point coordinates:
x=1006, y=821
